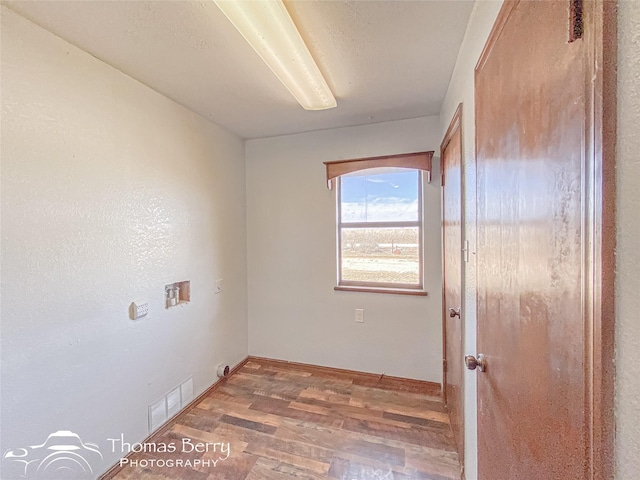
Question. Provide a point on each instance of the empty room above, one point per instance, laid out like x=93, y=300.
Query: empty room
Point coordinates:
x=319, y=239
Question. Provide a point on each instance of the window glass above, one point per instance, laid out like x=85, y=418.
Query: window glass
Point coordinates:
x=380, y=195
x=380, y=228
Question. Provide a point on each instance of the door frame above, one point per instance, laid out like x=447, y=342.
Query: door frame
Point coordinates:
x=600, y=37
x=601, y=33
x=454, y=125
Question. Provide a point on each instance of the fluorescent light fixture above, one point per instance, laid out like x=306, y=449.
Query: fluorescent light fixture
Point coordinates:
x=269, y=29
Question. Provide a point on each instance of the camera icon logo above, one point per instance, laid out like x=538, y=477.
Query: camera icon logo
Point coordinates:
x=62, y=456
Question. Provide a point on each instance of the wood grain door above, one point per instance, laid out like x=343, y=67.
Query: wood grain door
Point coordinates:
x=544, y=312
x=452, y=315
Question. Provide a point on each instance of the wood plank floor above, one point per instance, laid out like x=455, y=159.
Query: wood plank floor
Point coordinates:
x=285, y=421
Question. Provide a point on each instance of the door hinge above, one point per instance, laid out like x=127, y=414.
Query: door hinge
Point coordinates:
x=444, y=366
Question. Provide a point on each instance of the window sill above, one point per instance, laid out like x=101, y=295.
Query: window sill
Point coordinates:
x=394, y=291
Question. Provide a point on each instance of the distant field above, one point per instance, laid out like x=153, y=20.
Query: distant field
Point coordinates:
x=386, y=255
x=402, y=268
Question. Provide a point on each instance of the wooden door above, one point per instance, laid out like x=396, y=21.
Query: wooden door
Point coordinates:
x=545, y=308
x=452, y=326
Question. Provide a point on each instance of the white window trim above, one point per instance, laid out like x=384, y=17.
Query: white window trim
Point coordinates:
x=382, y=287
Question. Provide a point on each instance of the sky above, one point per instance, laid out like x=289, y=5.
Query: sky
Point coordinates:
x=372, y=196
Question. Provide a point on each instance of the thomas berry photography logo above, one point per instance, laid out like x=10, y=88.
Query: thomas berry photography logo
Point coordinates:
x=183, y=454
x=62, y=456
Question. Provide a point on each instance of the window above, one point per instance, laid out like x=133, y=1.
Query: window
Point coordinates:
x=380, y=229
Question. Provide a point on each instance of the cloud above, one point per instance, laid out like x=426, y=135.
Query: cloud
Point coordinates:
x=380, y=210
x=379, y=180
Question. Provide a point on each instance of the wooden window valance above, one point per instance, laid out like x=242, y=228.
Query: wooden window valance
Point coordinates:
x=417, y=160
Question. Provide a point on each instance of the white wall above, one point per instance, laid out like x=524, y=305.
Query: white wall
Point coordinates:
x=109, y=192
x=461, y=90
x=628, y=248
x=628, y=257
x=294, y=313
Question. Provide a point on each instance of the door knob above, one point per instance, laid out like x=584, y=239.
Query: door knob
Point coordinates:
x=472, y=362
x=454, y=312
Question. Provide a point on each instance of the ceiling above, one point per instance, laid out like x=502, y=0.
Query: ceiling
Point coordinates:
x=383, y=60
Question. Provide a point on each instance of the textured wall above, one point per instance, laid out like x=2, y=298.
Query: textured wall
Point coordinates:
x=628, y=257
x=628, y=249
x=461, y=90
x=294, y=313
x=109, y=192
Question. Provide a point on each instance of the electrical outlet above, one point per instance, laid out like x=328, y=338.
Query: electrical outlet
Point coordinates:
x=359, y=315
x=138, y=309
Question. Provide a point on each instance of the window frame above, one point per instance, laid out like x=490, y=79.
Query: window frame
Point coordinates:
x=383, y=287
